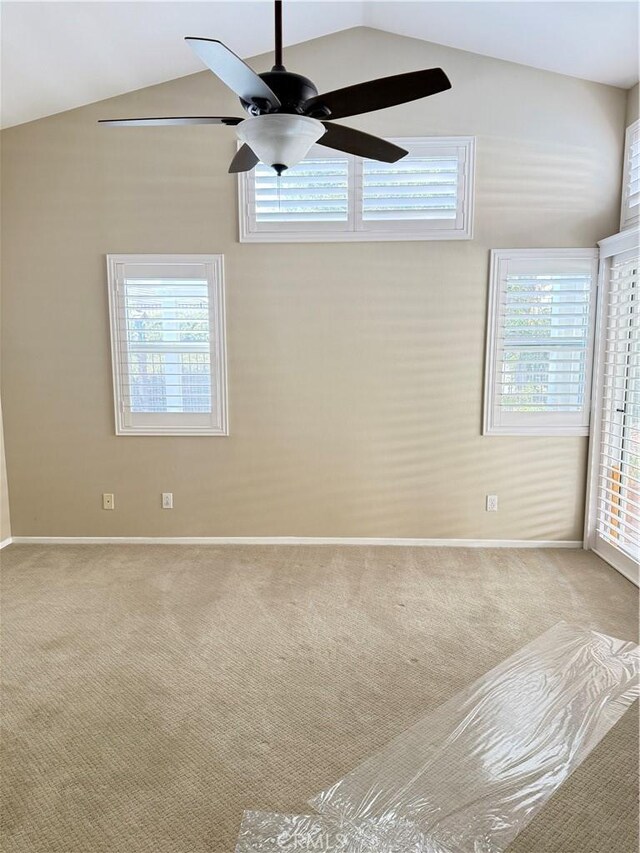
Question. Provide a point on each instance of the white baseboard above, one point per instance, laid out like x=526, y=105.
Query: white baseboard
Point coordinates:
x=6, y=542
x=295, y=540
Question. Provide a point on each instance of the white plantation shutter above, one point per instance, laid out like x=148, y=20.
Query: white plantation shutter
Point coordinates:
x=413, y=188
x=313, y=191
x=631, y=177
x=167, y=336
x=540, y=341
x=427, y=195
x=430, y=188
x=615, y=460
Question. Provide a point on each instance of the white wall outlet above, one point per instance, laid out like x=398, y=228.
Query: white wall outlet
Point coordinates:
x=492, y=503
x=108, y=501
x=167, y=500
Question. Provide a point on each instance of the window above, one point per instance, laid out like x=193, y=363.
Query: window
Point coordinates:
x=540, y=341
x=168, y=344
x=630, y=214
x=330, y=196
x=613, y=502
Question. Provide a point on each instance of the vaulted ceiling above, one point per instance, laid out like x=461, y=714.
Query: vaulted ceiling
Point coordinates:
x=60, y=55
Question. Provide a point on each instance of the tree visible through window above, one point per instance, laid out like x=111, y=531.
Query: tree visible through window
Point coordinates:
x=540, y=342
x=168, y=344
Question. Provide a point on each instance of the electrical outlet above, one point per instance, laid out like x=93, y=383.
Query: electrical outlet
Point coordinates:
x=108, y=501
x=492, y=503
x=167, y=500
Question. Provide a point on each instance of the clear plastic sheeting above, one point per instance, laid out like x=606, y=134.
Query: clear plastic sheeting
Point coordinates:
x=268, y=832
x=468, y=777
x=473, y=773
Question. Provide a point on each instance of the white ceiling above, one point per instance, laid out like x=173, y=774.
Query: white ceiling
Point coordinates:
x=60, y=55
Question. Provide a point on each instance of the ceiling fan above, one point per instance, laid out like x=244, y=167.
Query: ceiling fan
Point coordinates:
x=287, y=115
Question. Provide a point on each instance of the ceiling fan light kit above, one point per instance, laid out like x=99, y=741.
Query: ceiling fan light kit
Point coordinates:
x=287, y=115
x=280, y=140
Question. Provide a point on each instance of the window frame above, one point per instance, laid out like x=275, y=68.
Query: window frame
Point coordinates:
x=214, y=423
x=534, y=423
x=628, y=219
x=625, y=242
x=355, y=229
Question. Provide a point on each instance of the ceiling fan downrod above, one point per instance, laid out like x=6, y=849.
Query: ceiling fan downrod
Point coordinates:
x=278, y=66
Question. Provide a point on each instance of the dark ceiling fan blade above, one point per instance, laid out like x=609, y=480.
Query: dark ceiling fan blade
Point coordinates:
x=379, y=94
x=233, y=71
x=244, y=160
x=359, y=143
x=169, y=120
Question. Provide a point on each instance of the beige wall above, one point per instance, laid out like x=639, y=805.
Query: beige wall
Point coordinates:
x=5, y=519
x=633, y=104
x=355, y=369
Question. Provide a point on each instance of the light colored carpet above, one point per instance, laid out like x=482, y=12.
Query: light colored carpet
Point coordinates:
x=153, y=693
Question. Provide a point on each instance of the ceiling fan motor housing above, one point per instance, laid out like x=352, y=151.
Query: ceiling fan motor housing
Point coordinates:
x=292, y=91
